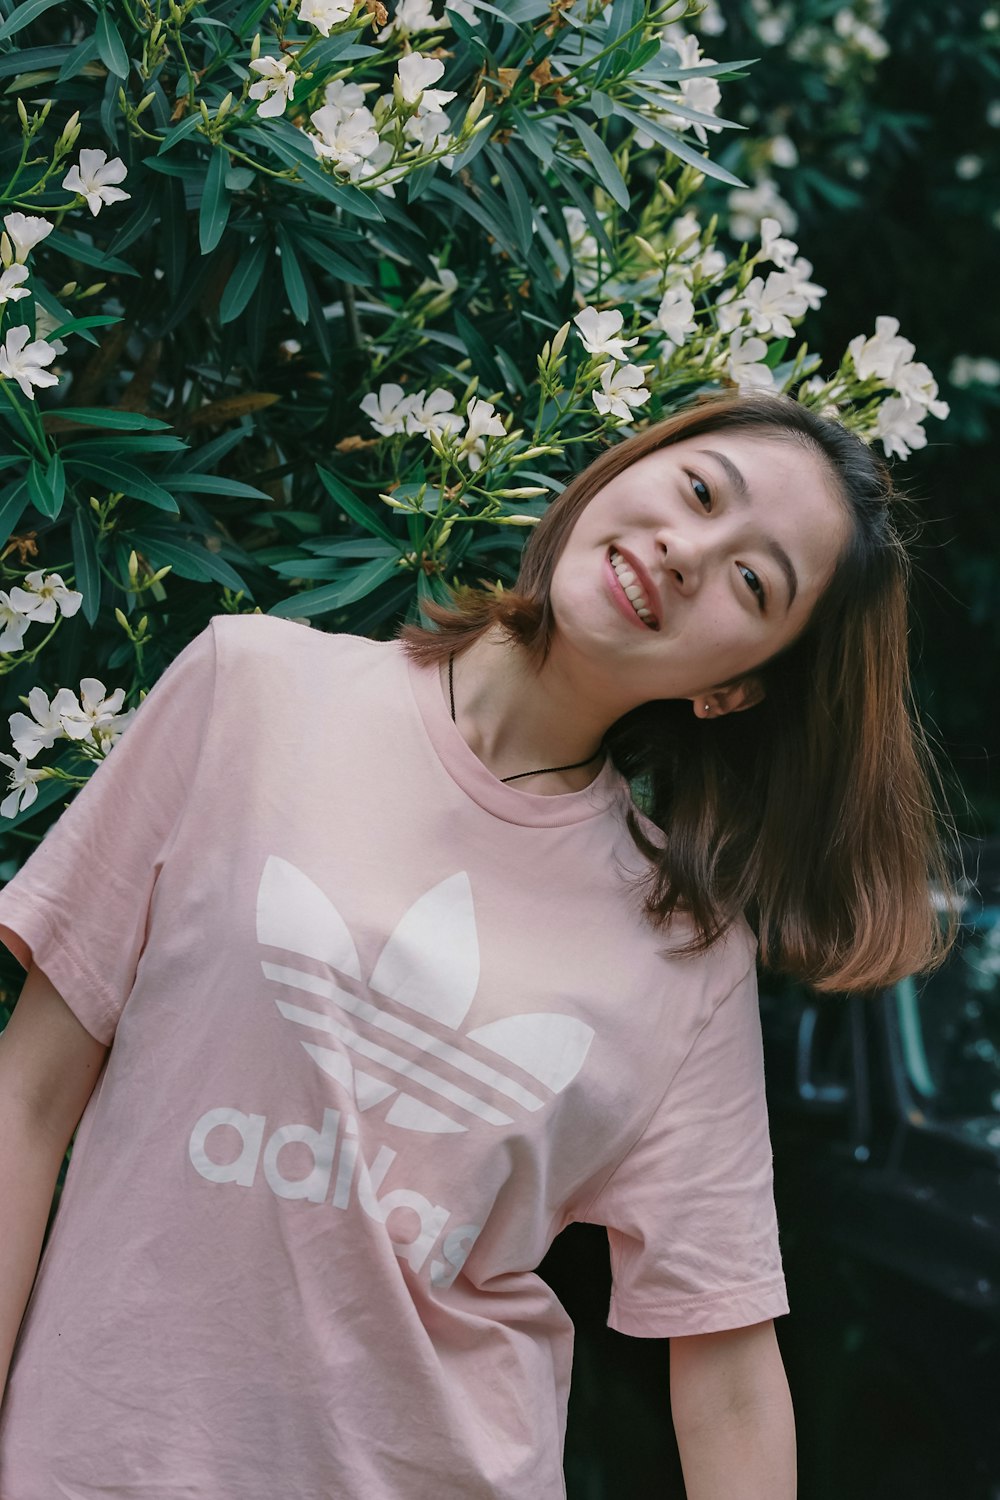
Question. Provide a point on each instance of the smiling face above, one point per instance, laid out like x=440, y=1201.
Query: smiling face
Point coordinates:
x=731, y=538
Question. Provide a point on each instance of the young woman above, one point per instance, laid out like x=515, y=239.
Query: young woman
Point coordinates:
x=369, y=975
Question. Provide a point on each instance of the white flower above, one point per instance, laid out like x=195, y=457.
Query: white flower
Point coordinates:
x=10, y=288
x=743, y=362
x=915, y=383
x=388, y=409
x=45, y=322
x=344, y=96
x=374, y=166
x=695, y=261
x=92, y=177
x=325, y=13
x=898, y=426
x=445, y=282
x=415, y=73
x=25, y=365
x=431, y=129
x=881, y=355
x=26, y=231
x=676, y=313
x=344, y=139
x=274, y=89
x=463, y=8
x=966, y=370
x=622, y=388
x=782, y=151
x=40, y=733
x=483, y=423
x=800, y=270
x=411, y=15
x=597, y=332
x=44, y=595
x=773, y=302
x=94, y=709
x=433, y=413
x=24, y=781
x=773, y=247
x=106, y=735
x=702, y=94
x=13, y=624
x=730, y=310
x=748, y=207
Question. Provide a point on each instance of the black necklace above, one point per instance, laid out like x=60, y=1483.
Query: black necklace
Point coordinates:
x=546, y=769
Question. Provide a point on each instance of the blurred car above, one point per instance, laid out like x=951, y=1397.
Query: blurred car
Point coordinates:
x=885, y=1121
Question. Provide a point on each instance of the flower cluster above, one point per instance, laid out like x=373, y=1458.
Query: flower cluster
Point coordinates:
x=93, y=717
x=43, y=597
x=391, y=412
x=622, y=385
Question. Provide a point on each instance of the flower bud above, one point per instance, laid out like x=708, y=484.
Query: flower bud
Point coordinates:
x=396, y=504
x=133, y=569
x=525, y=492
x=224, y=106
x=70, y=130
x=515, y=520
x=91, y=291
x=538, y=452
x=204, y=110
x=6, y=250
x=648, y=249
x=475, y=109
x=255, y=48
x=559, y=340
x=22, y=113
x=122, y=620
x=144, y=103
x=68, y=289
x=142, y=625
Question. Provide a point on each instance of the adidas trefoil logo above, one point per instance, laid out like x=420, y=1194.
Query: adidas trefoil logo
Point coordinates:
x=429, y=967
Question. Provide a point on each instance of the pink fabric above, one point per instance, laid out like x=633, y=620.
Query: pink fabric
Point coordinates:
x=382, y=1025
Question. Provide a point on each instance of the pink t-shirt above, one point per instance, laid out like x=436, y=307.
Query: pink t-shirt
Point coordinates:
x=382, y=1025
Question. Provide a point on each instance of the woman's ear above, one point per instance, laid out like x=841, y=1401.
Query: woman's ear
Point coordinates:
x=729, y=700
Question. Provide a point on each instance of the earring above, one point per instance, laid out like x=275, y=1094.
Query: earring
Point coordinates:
x=708, y=708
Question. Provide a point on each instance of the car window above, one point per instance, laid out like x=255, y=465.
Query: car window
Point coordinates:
x=949, y=1027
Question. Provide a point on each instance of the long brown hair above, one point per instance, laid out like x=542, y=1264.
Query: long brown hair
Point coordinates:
x=816, y=813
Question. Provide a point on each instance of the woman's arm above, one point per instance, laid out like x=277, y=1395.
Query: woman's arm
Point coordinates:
x=733, y=1415
x=48, y=1067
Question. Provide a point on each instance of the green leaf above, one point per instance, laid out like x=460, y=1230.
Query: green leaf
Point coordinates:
x=95, y=320
x=120, y=421
x=538, y=138
x=243, y=282
x=483, y=208
x=76, y=248
x=110, y=45
x=13, y=503
x=46, y=489
x=79, y=58
x=215, y=202
x=178, y=132
x=291, y=275
x=604, y=163
x=24, y=14
x=116, y=474
x=320, y=601
x=517, y=199
x=183, y=481
x=188, y=559
x=322, y=254
x=355, y=507
x=347, y=196
x=86, y=571
x=678, y=147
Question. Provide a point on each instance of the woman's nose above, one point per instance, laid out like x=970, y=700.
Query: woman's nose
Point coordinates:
x=681, y=557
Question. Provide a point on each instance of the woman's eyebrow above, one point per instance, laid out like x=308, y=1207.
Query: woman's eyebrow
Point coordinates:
x=742, y=490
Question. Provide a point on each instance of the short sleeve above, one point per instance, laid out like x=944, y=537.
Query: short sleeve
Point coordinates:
x=78, y=907
x=690, y=1211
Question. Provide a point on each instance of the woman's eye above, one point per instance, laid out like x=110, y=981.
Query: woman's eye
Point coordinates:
x=753, y=584
x=702, y=492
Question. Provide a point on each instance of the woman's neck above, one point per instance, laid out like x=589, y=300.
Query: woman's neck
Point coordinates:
x=515, y=720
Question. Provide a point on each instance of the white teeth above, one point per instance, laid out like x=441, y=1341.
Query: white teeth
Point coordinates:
x=632, y=589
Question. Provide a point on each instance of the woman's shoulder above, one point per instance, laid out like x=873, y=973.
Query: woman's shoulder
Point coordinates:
x=272, y=636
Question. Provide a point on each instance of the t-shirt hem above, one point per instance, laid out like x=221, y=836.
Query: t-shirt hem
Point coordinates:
x=711, y=1312
x=31, y=940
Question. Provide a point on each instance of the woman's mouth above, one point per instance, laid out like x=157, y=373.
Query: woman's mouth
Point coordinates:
x=627, y=591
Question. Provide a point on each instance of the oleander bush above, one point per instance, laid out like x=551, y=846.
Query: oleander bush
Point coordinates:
x=312, y=308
